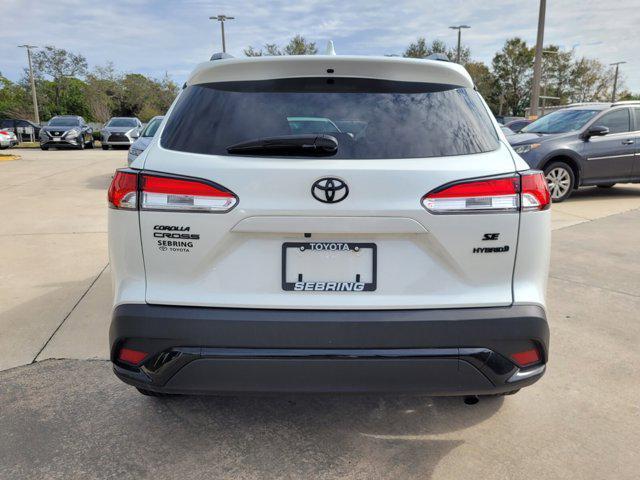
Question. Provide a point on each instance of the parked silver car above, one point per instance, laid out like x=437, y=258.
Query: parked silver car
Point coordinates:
x=145, y=138
x=120, y=131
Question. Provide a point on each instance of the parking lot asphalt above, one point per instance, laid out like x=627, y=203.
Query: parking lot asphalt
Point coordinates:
x=70, y=417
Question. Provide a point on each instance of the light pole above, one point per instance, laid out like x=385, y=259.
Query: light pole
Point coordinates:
x=537, y=64
x=459, y=28
x=33, y=83
x=222, y=19
x=615, y=81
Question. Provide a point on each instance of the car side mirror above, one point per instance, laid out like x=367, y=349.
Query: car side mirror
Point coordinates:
x=595, y=131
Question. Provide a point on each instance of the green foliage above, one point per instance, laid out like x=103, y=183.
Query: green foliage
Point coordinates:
x=15, y=101
x=101, y=94
x=420, y=49
x=512, y=67
x=298, y=45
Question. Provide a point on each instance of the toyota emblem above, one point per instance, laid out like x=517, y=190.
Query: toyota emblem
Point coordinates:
x=329, y=190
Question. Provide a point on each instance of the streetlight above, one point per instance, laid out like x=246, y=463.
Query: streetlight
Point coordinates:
x=537, y=64
x=33, y=83
x=615, y=81
x=222, y=19
x=459, y=28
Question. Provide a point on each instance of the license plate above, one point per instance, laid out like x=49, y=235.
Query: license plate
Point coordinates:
x=56, y=139
x=329, y=266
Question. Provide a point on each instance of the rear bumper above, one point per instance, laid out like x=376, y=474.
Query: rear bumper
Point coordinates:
x=436, y=352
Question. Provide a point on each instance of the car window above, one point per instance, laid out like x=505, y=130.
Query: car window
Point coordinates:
x=64, y=122
x=369, y=118
x=617, y=121
x=151, y=128
x=636, y=114
x=122, y=122
x=561, y=121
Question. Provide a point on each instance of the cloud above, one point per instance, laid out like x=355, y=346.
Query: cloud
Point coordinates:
x=158, y=36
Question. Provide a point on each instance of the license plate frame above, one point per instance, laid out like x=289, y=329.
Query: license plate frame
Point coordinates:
x=343, y=286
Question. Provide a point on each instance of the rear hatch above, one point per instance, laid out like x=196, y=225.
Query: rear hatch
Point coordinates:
x=348, y=230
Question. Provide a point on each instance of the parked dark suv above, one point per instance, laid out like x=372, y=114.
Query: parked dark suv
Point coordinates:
x=584, y=144
x=68, y=131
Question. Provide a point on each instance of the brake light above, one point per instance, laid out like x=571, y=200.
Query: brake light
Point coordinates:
x=123, y=191
x=3, y=132
x=168, y=193
x=526, y=191
x=130, y=190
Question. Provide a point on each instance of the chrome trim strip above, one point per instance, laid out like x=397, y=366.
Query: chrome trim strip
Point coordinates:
x=524, y=374
x=612, y=156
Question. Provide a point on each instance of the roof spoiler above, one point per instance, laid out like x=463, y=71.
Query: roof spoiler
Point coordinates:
x=220, y=56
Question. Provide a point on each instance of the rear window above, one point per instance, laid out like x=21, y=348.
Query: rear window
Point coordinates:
x=369, y=118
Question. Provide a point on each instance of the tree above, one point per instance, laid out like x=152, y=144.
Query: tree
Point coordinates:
x=58, y=64
x=485, y=82
x=298, y=45
x=420, y=49
x=591, y=81
x=513, y=67
x=15, y=101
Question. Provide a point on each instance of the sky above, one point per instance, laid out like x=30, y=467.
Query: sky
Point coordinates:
x=157, y=36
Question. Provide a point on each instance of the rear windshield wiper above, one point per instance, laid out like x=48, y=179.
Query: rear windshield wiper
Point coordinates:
x=308, y=145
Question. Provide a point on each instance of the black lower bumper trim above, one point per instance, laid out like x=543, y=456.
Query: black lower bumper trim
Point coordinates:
x=439, y=352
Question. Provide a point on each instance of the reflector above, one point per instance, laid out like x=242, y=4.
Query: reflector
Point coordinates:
x=134, y=357
x=528, y=357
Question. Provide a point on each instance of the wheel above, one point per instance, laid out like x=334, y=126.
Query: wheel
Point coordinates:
x=606, y=185
x=43, y=147
x=92, y=144
x=81, y=145
x=105, y=147
x=560, y=179
x=150, y=393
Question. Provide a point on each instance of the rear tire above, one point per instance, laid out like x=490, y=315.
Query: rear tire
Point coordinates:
x=105, y=147
x=560, y=179
x=606, y=185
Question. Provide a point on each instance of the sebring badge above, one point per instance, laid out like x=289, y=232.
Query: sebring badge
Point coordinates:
x=329, y=190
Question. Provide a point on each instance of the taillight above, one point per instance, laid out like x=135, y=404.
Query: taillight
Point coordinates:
x=130, y=190
x=535, y=192
x=123, y=191
x=526, y=191
x=169, y=193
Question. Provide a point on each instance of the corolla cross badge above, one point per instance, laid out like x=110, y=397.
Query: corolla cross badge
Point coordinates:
x=329, y=190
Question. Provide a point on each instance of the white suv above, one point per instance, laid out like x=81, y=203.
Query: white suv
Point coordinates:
x=329, y=223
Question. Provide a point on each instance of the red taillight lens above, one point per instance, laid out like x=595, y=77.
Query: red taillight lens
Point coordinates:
x=490, y=195
x=133, y=357
x=123, y=191
x=129, y=189
x=526, y=191
x=535, y=192
x=167, y=193
x=3, y=132
x=526, y=358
